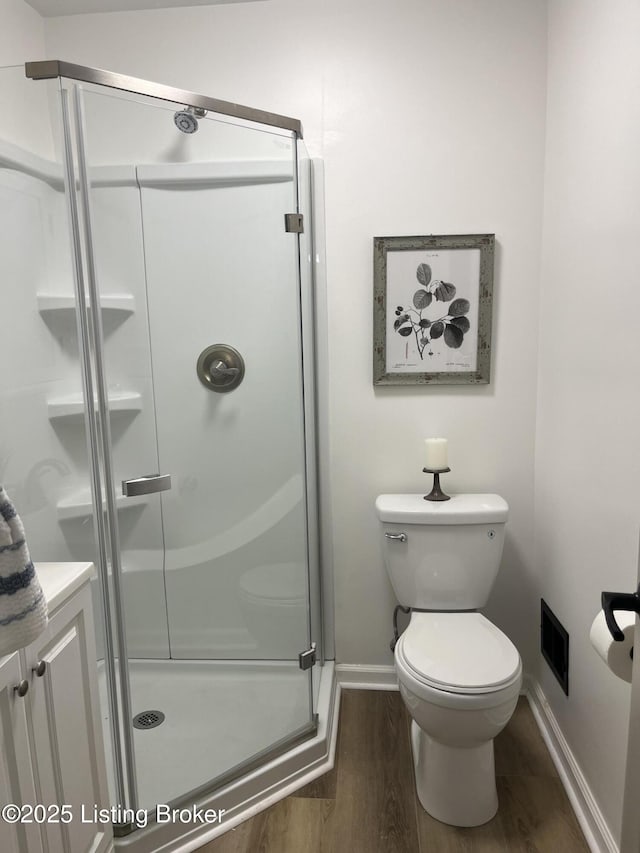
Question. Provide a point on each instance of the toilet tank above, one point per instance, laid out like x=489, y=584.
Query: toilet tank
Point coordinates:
x=442, y=555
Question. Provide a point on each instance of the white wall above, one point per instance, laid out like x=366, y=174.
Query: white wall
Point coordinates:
x=24, y=112
x=587, y=465
x=430, y=118
x=21, y=33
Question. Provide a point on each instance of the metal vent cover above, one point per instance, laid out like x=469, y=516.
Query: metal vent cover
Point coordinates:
x=554, y=644
x=148, y=719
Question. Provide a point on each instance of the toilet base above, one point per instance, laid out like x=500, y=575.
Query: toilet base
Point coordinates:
x=455, y=785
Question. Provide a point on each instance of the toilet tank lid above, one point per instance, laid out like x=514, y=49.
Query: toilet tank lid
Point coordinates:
x=461, y=509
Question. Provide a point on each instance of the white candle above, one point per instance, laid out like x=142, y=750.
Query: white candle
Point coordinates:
x=436, y=453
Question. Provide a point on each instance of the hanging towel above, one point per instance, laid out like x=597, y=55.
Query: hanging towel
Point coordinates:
x=23, y=609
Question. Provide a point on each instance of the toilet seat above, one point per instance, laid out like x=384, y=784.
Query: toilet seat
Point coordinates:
x=458, y=652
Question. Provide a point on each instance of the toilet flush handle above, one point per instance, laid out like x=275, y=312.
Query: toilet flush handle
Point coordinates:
x=397, y=537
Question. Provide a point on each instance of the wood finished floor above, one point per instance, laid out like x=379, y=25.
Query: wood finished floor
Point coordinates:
x=368, y=803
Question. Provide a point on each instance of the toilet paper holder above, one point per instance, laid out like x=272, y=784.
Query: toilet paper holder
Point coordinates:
x=612, y=601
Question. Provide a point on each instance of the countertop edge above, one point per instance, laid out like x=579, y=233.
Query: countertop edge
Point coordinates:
x=60, y=580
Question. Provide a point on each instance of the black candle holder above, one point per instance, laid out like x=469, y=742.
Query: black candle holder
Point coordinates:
x=436, y=493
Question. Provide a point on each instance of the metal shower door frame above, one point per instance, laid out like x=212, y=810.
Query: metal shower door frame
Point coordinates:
x=52, y=68
x=90, y=332
x=306, y=282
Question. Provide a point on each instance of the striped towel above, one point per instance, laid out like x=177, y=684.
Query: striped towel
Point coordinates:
x=23, y=609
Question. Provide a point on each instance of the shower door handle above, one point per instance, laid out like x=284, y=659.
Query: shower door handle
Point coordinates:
x=146, y=485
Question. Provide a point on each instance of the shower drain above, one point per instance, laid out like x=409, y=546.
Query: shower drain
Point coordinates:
x=148, y=719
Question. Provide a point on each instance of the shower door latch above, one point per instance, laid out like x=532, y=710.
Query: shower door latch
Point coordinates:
x=307, y=659
x=294, y=223
x=146, y=485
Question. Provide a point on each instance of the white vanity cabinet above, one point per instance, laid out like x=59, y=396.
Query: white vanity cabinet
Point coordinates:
x=51, y=746
x=16, y=777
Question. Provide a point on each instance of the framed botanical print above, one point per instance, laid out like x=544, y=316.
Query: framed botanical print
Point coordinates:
x=432, y=309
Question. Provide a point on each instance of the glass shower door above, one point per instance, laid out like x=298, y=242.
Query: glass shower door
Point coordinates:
x=201, y=350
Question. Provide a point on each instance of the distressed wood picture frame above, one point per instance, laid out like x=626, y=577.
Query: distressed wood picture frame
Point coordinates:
x=432, y=307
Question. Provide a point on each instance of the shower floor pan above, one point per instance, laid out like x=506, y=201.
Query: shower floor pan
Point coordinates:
x=218, y=715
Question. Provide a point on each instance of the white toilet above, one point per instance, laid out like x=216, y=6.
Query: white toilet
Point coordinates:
x=459, y=675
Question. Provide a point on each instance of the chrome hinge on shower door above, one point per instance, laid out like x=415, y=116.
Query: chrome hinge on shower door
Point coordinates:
x=307, y=659
x=294, y=223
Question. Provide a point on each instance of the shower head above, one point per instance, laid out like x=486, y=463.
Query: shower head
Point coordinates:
x=186, y=120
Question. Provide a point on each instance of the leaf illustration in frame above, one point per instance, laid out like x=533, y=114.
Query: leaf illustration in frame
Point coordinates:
x=422, y=299
x=445, y=291
x=453, y=336
x=462, y=323
x=459, y=307
x=423, y=274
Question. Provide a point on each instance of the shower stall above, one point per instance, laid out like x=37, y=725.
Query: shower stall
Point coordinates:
x=159, y=419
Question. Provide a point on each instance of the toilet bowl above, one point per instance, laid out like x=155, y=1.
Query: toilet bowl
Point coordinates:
x=459, y=678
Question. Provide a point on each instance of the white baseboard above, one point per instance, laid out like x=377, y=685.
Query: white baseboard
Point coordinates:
x=591, y=820
x=363, y=677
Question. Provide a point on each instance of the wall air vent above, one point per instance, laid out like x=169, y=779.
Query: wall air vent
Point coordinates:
x=554, y=644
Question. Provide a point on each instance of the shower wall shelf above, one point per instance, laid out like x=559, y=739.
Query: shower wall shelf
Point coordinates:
x=123, y=302
x=79, y=505
x=72, y=405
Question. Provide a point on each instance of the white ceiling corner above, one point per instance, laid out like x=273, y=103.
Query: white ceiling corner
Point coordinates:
x=58, y=8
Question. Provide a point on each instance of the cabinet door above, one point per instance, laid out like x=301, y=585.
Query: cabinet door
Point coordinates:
x=66, y=733
x=16, y=779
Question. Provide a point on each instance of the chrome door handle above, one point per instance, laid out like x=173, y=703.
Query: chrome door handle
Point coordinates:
x=146, y=485
x=397, y=537
x=219, y=370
